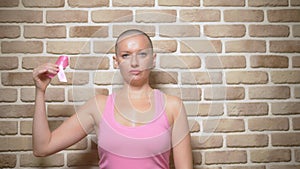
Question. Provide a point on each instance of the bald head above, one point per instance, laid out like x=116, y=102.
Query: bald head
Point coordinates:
x=131, y=33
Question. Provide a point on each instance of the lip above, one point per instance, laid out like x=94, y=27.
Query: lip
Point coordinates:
x=135, y=72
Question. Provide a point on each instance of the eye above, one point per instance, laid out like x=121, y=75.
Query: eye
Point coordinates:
x=124, y=56
x=142, y=54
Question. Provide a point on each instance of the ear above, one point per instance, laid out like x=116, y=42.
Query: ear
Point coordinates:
x=116, y=63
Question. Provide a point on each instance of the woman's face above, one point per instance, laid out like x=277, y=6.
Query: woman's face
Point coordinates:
x=135, y=59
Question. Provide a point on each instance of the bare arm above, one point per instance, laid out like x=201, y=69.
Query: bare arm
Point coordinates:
x=181, y=139
x=46, y=142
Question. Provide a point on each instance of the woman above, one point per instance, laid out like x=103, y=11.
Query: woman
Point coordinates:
x=136, y=126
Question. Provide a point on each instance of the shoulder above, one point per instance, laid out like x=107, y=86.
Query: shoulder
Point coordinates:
x=173, y=106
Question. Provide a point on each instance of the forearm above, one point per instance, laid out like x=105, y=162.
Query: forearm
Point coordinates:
x=40, y=132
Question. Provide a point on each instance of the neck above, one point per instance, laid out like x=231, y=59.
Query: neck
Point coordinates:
x=137, y=92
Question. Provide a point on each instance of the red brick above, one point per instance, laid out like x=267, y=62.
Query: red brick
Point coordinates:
x=197, y=157
x=217, y=31
x=44, y=4
x=194, y=126
x=15, y=143
x=269, y=92
x=89, y=63
x=268, y=124
x=226, y=157
x=178, y=3
x=297, y=155
x=104, y=47
x=67, y=16
x=89, y=31
x=88, y=4
x=270, y=155
x=83, y=94
x=8, y=160
x=204, y=109
x=247, y=109
x=200, y=46
x=225, y=62
x=226, y=3
x=9, y=3
x=164, y=46
x=29, y=160
x=179, y=31
x=243, y=15
x=285, y=139
x=186, y=93
x=45, y=31
x=17, y=79
x=271, y=3
x=285, y=108
x=245, y=167
x=141, y=3
x=295, y=3
x=247, y=140
x=83, y=159
x=283, y=15
x=16, y=111
x=296, y=123
x=269, y=31
x=21, y=16
x=22, y=47
x=180, y=62
x=8, y=128
x=9, y=31
x=73, y=78
x=250, y=46
x=107, y=16
x=269, y=61
x=296, y=61
x=296, y=30
x=162, y=77
x=155, y=16
x=200, y=15
x=223, y=125
x=246, y=77
x=287, y=166
x=206, y=142
x=285, y=46
x=201, y=77
x=8, y=63
x=224, y=93
x=289, y=77
x=68, y=47
x=31, y=62
x=108, y=78
x=148, y=29
x=297, y=92
x=8, y=95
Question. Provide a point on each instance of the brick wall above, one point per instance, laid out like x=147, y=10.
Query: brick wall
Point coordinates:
x=235, y=63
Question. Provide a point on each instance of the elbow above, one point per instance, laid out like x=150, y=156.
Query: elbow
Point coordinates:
x=40, y=153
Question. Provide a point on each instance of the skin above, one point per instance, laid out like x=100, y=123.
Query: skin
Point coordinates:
x=135, y=69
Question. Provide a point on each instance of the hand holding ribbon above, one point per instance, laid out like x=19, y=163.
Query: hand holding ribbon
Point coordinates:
x=62, y=63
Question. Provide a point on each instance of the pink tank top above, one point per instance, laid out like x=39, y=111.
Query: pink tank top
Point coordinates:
x=147, y=146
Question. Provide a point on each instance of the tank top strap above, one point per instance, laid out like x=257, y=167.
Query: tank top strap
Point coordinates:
x=109, y=107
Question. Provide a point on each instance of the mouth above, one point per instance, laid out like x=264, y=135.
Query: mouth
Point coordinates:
x=135, y=72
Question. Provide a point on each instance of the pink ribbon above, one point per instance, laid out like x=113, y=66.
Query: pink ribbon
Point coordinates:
x=62, y=62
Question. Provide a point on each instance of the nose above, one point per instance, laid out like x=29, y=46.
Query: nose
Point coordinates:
x=134, y=61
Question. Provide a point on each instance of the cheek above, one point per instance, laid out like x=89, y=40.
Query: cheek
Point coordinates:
x=147, y=63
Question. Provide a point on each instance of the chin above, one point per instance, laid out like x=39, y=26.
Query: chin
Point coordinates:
x=137, y=81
